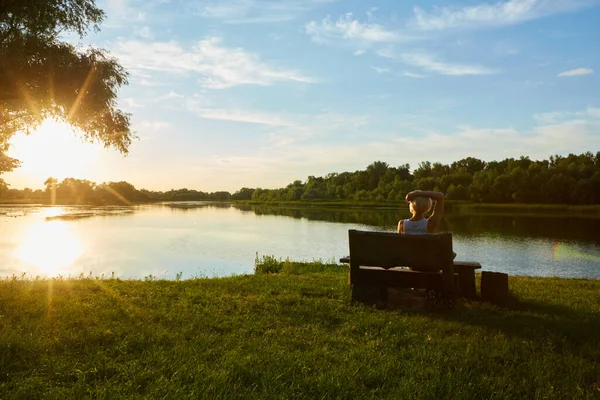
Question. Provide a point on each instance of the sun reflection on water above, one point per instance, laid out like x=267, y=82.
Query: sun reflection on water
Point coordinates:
x=52, y=211
x=50, y=247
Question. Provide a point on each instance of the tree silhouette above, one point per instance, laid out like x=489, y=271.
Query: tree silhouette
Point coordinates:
x=42, y=76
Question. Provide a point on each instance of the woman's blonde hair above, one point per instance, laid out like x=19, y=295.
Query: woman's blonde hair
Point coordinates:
x=420, y=205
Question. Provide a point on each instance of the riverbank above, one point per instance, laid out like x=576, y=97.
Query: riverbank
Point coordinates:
x=463, y=207
x=293, y=334
x=451, y=206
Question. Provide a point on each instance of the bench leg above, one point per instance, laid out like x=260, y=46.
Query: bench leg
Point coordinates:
x=369, y=294
x=494, y=287
x=466, y=284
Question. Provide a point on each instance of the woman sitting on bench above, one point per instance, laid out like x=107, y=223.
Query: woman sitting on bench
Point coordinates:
x=419, y=204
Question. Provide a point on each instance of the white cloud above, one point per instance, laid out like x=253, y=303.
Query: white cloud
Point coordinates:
x=279, y=165
x=171, y=95
x=256, y=11
x=121, y=12
x=576, y=72
x=554, y=117
x=296, y=126
x=218, y=67
x=413, y=75
x=381, y=70
x=131, y=102
x=494, y=14
x=538, y=142
x=347, y=28
x=253, y=117
x=430, y=62
x=144, y=32
x=153, y=125
x=288, y=124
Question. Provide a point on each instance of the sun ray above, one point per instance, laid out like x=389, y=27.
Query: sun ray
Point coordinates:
x=123, y=302
x=82, y=93
x=50, y=293
x=33, y=108
x=118, y=195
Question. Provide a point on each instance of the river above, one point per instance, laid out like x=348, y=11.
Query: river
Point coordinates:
x=200, y=239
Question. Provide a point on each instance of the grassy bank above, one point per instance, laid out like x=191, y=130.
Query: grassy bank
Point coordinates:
x=295, y=334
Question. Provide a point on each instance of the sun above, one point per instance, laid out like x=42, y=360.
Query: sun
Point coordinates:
x=54, y=150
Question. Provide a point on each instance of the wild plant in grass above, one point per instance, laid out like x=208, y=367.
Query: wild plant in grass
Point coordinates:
x=267, y=265
x=272, y=265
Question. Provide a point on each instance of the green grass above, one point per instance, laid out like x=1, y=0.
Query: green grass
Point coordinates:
x=294, y=334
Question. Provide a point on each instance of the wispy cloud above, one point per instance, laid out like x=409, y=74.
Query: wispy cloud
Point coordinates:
x=381, y=70
x=253, y=117
x=493, y=15
x=430, y=62
x=300, y=125
x=576, y=72
x=124, y=13
x=293, y=160
x=413, y=75
x=256, y=11
x=555, y=117
x=218, y=66
x=506, y=49
x=144, y=32
x=154, y=125
x=348, y=28
x=209, y=106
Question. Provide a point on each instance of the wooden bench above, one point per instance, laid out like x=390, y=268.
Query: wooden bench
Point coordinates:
x=425, y=261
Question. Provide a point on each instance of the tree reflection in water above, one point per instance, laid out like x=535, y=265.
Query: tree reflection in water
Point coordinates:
x=558, y=228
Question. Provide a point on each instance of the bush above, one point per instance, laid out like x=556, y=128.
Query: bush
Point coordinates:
x=271, y=265
x=268, y=265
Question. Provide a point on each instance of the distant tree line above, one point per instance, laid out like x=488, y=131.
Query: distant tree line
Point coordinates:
x=79, y=191
x=574, y=179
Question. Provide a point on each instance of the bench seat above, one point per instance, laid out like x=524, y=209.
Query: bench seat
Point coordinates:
x=375, y=258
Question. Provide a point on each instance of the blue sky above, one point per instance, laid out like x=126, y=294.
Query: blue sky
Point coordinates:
x=258, y=93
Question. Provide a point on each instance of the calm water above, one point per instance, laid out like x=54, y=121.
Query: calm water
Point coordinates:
x=204, y=239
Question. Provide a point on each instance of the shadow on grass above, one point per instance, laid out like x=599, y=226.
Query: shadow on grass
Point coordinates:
x=562, y=326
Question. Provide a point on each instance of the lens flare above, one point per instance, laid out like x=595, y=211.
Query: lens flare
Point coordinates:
x=562, y=251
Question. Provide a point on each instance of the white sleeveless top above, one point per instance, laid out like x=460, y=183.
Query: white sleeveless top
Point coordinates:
x=416, y=227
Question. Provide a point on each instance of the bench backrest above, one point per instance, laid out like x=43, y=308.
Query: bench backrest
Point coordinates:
x=382, y=249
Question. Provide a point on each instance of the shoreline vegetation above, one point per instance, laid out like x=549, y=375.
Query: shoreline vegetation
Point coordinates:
x=291, y=331
x=452, y=206
x=573, y=180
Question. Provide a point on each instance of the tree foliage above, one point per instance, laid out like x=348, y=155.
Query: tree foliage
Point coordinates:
x=574, y=179
x=80, y=191
x=42, y=76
